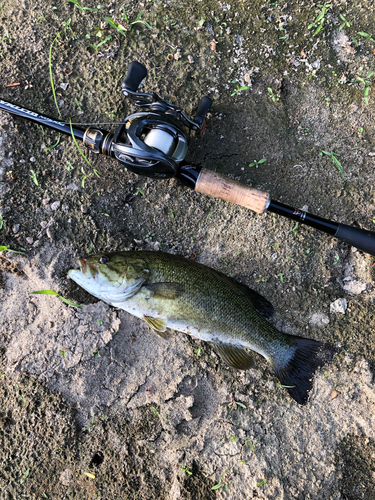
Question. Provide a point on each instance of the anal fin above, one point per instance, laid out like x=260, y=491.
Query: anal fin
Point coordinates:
x=159, y=326
x=234, y=356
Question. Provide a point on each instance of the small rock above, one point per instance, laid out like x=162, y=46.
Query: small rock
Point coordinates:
x=319, y=319
x=84, y=209
x=32, y=159
x=50, y=233
x=46, y=201
x=16, y=228
x=247, y=78
x=64, y=86
x=65, y=207
x=338, y=306
x=334, y=395
x=190, y=59
x=355, y=287
x=29, y=240
x=44, y=224
x=66, y=477
x=139, y=242
x=55, y=205
x=73, y=187
x=239, y=40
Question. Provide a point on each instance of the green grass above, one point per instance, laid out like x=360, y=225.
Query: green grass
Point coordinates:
x=53, y=145
x=222, y=483
x=257, y=162
x=123, y=28
x=319, y=21
x=96, y=47
x=33, y=176
x=239, y=89
x=335, y=160
x=80, y=7
x=51, y=75
x=3, y=247
x=51, y=292
x=76, y=143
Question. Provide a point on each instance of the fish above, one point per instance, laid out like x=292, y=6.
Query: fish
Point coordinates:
x=170, y=292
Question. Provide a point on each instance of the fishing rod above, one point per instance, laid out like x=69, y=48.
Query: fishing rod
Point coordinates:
x=154, y=142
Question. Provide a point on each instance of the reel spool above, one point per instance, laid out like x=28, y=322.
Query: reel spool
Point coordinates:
x=151, y=142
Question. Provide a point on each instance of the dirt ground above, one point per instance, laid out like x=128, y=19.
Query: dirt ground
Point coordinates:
x=92, y=403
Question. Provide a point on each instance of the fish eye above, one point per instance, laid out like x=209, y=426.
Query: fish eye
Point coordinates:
x=104, y=259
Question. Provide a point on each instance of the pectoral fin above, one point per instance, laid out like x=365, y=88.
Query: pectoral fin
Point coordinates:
x=165, y=290
x=159, y=326
x=234, y=356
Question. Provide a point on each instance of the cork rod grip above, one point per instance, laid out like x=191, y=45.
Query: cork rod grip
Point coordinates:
x=227, y=189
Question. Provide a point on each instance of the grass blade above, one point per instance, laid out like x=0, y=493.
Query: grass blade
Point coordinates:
x=51, y=292
x=76, y=143
x=50, y=73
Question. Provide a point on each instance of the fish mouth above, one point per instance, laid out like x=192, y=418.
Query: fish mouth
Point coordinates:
x=87, y=268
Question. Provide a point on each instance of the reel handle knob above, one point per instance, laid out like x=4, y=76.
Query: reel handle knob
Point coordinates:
x=204, y=105
x=136, y=73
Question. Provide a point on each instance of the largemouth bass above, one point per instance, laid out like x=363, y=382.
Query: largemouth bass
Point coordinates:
x=170, y=292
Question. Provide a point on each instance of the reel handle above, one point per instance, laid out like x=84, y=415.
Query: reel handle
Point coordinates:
x=136, y=73
x=204, y=105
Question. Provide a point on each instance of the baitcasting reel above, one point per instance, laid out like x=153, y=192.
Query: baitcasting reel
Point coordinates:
x=151, y=142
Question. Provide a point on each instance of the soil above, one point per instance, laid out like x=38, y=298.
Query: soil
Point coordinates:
x=92, y=403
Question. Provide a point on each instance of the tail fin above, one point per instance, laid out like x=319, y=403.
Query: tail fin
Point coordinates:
x=296, y=375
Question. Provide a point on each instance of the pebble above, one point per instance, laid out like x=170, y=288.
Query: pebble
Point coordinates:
x=319, y=319
x=73, y=187
x=51, y=233
x=338, y=306
x=29, y=240
x=65, y=207
x=84, y=209
x=46, y=201
x=190, y=59
x=16, y=228
x=355, y=287
x=44, y=224
x=32, y=159
x=55, y=205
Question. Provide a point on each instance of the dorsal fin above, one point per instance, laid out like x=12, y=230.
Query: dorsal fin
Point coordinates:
x=261, y=304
